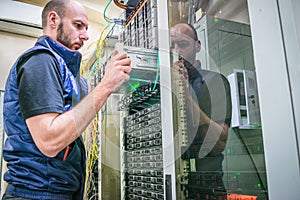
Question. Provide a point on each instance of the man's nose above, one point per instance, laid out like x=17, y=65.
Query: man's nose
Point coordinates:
x=84, y=35
x=177, y=49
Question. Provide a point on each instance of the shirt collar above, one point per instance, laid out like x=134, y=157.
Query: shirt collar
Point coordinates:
x=194, y=71
x=72, y=58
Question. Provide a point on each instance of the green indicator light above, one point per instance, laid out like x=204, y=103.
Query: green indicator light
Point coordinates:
x=259, y=125
x=216, y=18
x=234, y=177
x=259, y=185
x=136, y=85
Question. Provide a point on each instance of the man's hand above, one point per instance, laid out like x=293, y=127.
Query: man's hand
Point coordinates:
x=179, y=71
x=116, y=72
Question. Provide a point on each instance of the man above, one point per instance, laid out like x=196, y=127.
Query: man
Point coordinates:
x=44, y=115
x=208, y=116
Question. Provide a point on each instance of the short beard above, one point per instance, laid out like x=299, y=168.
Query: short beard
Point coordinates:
x=62, y=37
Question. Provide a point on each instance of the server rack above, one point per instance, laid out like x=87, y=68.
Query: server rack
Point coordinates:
x=144, y=107
x=149, y=114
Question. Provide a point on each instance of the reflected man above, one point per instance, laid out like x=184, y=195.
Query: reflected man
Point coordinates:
x=208, y=104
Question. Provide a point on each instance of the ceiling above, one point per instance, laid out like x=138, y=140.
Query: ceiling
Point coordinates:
x=94, y=8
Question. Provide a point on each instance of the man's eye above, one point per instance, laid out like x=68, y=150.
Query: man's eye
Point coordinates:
x=182, y=44
x=78, y=25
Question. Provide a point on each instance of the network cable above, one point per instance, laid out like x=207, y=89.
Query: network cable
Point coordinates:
x=118, y=21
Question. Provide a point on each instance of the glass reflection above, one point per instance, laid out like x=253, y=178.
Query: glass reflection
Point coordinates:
x=221, y=155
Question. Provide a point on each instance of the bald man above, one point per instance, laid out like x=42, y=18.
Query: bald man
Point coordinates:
x=46, y=108
x=208, y=114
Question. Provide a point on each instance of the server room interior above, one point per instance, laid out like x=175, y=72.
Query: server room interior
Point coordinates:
x=123, y=143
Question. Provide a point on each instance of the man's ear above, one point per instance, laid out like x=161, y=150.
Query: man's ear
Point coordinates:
x=53, y=19
x=198, y=46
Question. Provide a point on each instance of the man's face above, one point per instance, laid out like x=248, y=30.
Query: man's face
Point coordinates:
x=183, y=43
x=72, y=30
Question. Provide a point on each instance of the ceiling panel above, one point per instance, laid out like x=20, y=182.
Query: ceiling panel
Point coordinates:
x=94, y=8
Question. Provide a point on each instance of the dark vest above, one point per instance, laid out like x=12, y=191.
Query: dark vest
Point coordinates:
x=30, y=173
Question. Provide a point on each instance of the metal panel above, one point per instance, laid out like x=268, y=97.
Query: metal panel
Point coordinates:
x=166, y=95
x=290, y=18
x=282, y=161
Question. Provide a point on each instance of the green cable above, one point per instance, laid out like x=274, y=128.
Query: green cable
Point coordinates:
x=104, y=13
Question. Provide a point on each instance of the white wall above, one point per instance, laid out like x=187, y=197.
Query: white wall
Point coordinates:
x=12, y=45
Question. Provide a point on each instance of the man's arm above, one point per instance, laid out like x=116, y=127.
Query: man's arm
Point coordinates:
x=216, y=133
x=213, y=133
x=52, y=132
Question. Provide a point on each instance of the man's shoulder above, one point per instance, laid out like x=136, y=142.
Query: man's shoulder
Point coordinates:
x=40, y=51
x=207, y=72
x=41, y=58
x=210, y=73
x=213, y=77
x=36, y=53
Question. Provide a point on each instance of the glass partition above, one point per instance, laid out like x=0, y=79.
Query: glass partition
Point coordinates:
x=220, y=153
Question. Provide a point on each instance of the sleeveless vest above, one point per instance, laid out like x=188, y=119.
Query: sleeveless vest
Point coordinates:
x=30, y=173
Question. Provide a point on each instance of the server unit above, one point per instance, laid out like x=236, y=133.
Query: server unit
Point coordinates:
x=245, y=112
